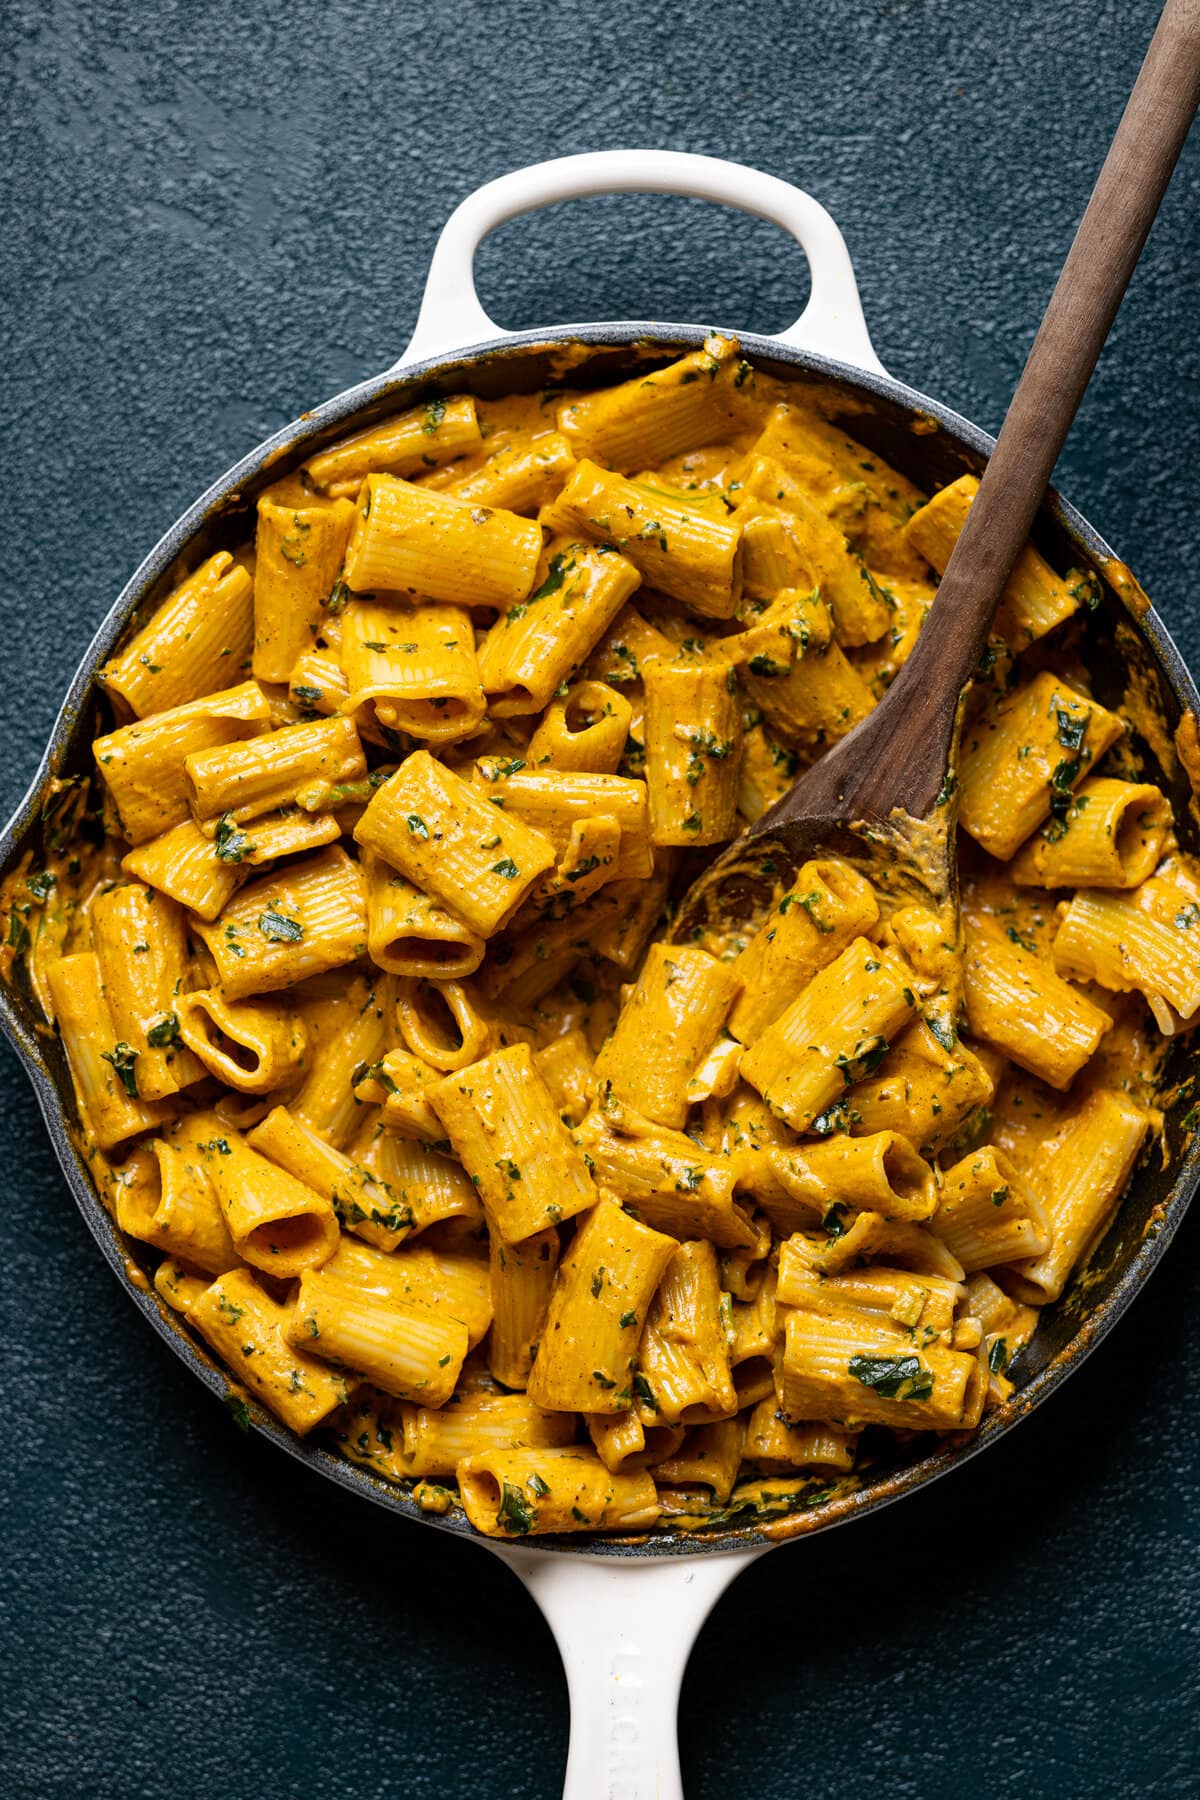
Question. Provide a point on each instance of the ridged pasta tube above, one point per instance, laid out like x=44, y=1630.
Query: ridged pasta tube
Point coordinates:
x=413, y=540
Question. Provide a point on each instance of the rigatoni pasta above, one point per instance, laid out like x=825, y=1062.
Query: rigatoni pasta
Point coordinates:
x=380, y=1035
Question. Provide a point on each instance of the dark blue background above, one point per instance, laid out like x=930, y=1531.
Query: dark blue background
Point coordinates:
x=220, y=214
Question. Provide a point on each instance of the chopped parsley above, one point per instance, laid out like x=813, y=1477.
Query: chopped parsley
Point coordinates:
x=515, y=1514
x=123, y=1058
x=767, y=667
x=1071, y=730
x=239, y=1411
x=644, y=1392
x=277, y=929
x=229, y=843
x=945, y=792
x=893, y=1377
x=165, y=1033
x=557, y=572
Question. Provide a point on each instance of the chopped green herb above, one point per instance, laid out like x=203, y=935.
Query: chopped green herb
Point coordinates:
x=166, y=1031
x=123, y=1059
x=557, y=571
x=644, y=1392
x=1071, y=730
x=277, y=929
x=239, y=1411
x=893, y=1377
x=230, y=843
x=767, y=667
x=515, y=1514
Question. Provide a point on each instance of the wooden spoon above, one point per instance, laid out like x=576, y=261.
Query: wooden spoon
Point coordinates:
x=884, y=795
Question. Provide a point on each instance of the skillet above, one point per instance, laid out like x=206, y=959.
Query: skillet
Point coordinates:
x=626, y=1614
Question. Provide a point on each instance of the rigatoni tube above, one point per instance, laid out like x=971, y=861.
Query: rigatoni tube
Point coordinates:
x=411, y=669
x=369, y=1207
x=665, y=1029
x=408, y=933
x=1111, y=835
x=243, y=781
x=1081, y=1179
x=141, y=942
x=1148, y=941
x=684, y=1352
x=829, y=904
x=544, y=640
x=196, y=641
x=522, y=1277
x=501, y=1119
x=247, y=1329
x=1017, y=1002
x=142, y=763
x=433, y=827
x=988, y=1213
x=1034, y=600
x=411, y=1352
x=298, y=554
x=422, y=438
x=518, y=1493
x=298, y=921
x=188, y=866
x=586, y=729
x=280, y=1225
x=587, y=1355
x=413, y=540
x=103, y=1067
x=1023, y=758
x=693, y=737
x=437, y=1439
x=680, y=551
x=253, y=1046
x=645, y=421
x=836, y=1031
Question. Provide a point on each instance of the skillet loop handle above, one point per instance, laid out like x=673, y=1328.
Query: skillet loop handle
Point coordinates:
x=624, y=1629
x=451, y=317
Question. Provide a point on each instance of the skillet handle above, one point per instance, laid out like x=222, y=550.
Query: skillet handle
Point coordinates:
x=624, y=1629
x=451, y=317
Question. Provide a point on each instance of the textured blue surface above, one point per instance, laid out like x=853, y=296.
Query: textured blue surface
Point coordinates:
x=219, y=215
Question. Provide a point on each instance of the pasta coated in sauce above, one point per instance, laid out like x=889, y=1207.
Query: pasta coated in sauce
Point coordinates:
x=376, y=1027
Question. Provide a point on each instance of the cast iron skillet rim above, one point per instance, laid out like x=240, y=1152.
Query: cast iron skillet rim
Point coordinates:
x=1094, y=1328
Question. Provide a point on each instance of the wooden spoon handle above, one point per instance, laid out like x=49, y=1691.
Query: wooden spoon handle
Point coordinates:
x=1077, y=321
